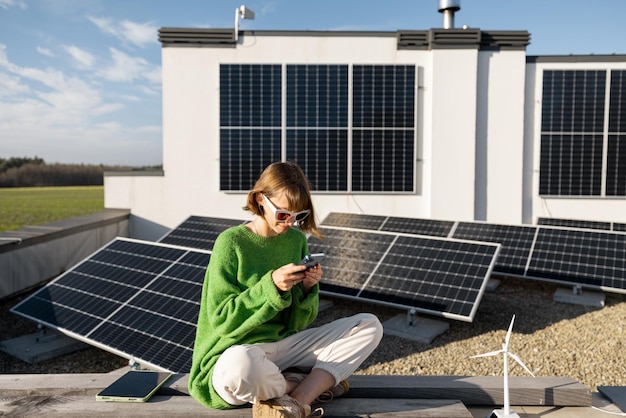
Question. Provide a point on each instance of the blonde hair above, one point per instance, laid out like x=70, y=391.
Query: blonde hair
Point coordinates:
x=288, y=178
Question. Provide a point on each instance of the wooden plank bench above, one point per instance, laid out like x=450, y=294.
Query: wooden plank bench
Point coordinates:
x=185, y=406
x=71, y=395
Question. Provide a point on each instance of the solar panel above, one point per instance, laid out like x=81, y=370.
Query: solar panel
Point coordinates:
x=574, y=223
x=355, y=220
x=516, y=243
x=199, y=232
x=590, y=258
x=415, y=226
x=571, y=149
x=139, y=300
x=619, y=227
x=442, y=277
x=578, y=223
x=430, y=227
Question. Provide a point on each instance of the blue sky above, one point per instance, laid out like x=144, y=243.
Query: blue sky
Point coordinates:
x=80, y=80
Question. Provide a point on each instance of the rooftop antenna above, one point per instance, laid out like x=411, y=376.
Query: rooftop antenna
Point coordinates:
x=506, y=412
x=242, y=12
x=448, y=7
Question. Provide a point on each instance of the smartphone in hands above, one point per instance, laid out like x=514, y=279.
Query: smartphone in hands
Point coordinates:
x=312, y=260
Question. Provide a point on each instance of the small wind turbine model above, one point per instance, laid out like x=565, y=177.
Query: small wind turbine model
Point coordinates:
x=506, y=413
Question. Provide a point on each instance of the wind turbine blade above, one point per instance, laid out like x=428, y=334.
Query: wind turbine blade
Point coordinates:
x=508, y=333
x=517, y=359
x=489, y=354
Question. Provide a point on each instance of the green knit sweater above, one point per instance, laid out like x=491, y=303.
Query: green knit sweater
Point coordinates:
x=241, y=305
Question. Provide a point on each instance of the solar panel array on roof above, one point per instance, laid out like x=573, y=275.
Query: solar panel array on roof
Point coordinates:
x=139, y=300
x=441, y=277
x=571, y=256
x=199, y=231
x=516, y=240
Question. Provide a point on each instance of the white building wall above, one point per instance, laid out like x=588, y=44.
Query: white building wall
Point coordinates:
x=191, y=128
x=455, y=103
x=145, y=196
x=453, y=83
x=500, y=136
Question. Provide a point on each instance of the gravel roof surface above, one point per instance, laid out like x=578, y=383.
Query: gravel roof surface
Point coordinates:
x=552, y=338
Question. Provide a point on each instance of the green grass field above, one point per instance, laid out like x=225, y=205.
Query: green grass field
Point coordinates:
x=24, y=206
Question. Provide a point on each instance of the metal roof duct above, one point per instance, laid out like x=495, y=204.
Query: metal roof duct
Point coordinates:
x=448, y=7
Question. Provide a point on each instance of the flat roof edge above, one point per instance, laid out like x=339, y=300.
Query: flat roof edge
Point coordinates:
x=35, y=234
x=433, y=38
x=135, y=173
x=537, y=59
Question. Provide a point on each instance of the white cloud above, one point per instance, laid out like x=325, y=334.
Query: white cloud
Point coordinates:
x=104, y=24
x=3, y=54
x=44, y=51
x=154, y=74
x=81, y=58
x=10, y=86
x=48, y=113
x=54, y=98
x=6, y=4
x=138, y=34
x=126, y=68
x=270, y=7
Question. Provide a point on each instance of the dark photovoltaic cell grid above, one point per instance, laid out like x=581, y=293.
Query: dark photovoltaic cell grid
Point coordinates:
x=250, y=122
x=355, y=220
x=442, y=277
x=323, y=105
x=137, y=299
x=572, y=126
x=430, y=227
x=574, y=223
x=619, y=227
x=199, y=232
x=578, y=223
x=317, y=115
x=517, y=242
x=616, y=147
x=383, y=138
x=581, y=151
x=569, y=256
x=585, y=257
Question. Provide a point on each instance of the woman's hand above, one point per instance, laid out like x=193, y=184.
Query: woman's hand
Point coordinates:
x=312, y=276
x=289, y=275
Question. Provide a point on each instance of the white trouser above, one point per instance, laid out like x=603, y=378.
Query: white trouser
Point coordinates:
x=247, y=373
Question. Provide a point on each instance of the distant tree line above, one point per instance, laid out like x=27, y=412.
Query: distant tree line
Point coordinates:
x=34, y=172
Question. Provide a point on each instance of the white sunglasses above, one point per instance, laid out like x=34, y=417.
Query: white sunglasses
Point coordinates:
x=285, y=215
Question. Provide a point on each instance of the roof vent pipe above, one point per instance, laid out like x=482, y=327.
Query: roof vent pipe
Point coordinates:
x=448, y=7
